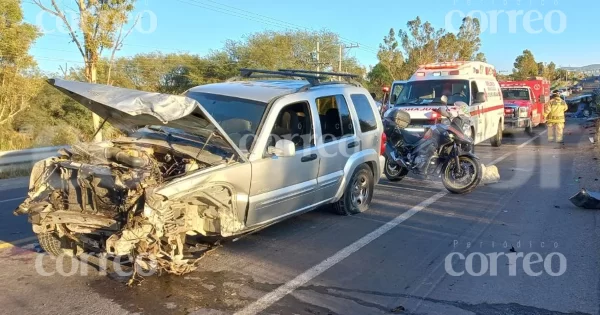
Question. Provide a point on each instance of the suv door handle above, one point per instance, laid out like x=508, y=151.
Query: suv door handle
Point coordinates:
x=308, y=158
x=352, y=144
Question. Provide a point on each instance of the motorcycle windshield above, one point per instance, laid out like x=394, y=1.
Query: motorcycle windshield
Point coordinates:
x=458, y=133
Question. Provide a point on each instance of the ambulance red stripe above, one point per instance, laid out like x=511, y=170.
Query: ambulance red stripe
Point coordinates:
x=488, y=109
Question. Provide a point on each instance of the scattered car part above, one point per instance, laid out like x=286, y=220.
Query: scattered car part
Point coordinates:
x=586, y=199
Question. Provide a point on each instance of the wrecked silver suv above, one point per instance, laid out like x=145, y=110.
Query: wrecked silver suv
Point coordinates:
x=221, y=160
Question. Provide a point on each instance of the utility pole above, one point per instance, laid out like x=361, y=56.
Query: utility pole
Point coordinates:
x=342, y=47
x=318, y=64
x=316, y=57
x=64, y=71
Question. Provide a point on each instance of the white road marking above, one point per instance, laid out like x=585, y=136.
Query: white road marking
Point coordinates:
x=9, y=244
x=272, y=297
x=507, y=154
x=13, y=199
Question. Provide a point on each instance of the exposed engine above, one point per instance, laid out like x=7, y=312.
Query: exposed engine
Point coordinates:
x=95, y=197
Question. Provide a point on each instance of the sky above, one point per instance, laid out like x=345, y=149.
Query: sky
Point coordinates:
x=565, y=32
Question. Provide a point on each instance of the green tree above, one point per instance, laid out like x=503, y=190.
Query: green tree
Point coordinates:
x=551, y=71
x=448, y=48
x=390, y=57
x=378, y=77
x=291, y=49
x=480, y=57
x=99, y=22
x=421, y=43
x=525, y=66
x=468, y=39
x=16, y=65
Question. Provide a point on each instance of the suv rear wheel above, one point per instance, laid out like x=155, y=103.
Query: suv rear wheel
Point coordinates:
x=358, y=193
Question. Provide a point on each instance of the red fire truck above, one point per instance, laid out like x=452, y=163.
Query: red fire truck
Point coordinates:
x=524, y=103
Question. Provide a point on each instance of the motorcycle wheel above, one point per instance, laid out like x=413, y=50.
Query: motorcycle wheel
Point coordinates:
x=465, y=179
x=394, y=172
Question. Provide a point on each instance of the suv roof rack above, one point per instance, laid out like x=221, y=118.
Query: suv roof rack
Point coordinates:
x=313, y=77
x=247, y=73
x=348, y=76
x=339, y=74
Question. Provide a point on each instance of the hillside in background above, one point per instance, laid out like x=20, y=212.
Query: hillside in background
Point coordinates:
x=594, y=67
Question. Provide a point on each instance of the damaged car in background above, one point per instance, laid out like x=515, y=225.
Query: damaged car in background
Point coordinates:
x=199, y=166
x=131, y=196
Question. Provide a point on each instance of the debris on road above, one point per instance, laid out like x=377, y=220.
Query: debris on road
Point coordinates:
x=490, y=174
x=586, y=199
x=398, y=309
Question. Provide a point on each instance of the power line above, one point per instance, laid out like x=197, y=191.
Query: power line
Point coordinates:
x=285, y=22
x=124, y=44
x=252, y=17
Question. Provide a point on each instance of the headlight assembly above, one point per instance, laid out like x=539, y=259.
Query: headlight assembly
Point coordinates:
x=523, y=112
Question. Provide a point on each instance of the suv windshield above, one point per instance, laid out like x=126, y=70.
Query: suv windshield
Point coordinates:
x=515, y=94
x=238, y=117
x=431, y=91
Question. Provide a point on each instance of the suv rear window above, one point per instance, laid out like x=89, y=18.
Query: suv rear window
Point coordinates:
x=335, y=117
x=366, y=117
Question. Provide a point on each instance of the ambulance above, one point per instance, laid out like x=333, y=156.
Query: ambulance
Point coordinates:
x=471, y=82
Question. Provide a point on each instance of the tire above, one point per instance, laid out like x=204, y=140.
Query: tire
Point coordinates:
x=466, y=188
x=529, y=128
x=363, y=177
x=496, y=140
x=392, y=174
x=53, y=245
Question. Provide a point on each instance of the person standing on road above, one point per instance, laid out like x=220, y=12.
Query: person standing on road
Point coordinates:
x=554, y=113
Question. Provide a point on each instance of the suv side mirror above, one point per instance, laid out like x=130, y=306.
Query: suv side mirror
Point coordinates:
x=393, y=98
x=480, y=97
x=283, y=148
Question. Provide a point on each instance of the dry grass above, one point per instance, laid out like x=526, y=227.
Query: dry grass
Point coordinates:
x=15, y=172
x=10, y=140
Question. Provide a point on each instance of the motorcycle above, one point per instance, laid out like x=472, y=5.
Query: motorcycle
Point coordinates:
x=444, y=150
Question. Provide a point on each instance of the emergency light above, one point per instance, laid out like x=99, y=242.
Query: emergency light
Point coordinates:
x=443, y=65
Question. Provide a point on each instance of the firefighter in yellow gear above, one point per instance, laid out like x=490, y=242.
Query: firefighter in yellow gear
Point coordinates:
x=554, y=113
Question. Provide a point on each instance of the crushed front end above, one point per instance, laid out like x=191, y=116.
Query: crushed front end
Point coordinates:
x=98, y=198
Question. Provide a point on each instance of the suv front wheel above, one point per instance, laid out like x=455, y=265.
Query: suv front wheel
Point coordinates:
x=358, y=193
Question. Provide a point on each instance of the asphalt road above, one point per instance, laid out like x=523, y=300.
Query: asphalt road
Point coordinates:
x=391, y=259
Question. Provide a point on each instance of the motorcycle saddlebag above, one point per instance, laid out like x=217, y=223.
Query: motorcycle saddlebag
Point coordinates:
x=401, y=118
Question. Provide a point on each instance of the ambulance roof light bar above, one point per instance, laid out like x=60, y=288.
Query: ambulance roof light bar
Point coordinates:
x=443, y=65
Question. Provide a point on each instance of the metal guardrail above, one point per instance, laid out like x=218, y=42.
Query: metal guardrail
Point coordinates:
x=24, y=158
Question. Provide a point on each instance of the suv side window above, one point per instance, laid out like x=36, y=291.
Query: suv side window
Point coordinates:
x=335, y=117
x=366, y=117
x=294, y=123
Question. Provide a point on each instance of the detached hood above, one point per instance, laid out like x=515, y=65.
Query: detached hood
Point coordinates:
x=130, y=110
x=519, y=103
